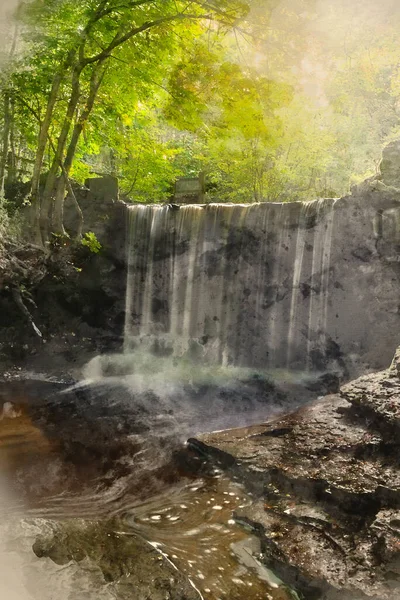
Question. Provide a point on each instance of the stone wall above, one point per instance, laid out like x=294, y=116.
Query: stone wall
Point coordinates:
x=311, y=286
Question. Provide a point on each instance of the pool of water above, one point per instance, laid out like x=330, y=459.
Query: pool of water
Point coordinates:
x=186, y=516
x=194, y=527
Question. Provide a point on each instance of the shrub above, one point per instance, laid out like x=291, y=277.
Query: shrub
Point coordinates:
x=91, y=242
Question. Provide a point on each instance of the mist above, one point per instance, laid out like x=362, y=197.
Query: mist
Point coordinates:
x=8, y=10
x=7, y=14
x=12, y=585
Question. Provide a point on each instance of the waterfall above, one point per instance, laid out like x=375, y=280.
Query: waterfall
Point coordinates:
x=245, y=285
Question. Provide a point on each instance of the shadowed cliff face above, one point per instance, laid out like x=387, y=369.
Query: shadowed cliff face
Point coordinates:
x=302, y=286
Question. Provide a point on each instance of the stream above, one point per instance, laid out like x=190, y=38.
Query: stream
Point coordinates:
x=186, y=517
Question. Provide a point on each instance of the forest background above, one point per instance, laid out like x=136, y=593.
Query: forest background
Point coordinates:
x=274, y=100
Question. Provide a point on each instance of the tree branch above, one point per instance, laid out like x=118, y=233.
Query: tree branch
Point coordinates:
x=117, y=41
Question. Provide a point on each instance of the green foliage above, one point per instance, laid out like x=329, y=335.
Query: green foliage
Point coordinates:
x=273, y=100
x=91, y=242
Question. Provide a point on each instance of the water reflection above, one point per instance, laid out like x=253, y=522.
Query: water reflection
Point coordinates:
x=194, y=527
x=189, y=523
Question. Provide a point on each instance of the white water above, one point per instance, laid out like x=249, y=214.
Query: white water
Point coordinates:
x=240, y=285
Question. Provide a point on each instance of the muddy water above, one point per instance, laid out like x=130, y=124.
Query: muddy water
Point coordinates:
x=190, y=524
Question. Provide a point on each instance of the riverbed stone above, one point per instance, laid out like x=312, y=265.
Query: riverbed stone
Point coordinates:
x=133, y=566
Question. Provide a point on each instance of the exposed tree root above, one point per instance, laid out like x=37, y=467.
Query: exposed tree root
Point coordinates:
x=22, y=267
x=16, y=294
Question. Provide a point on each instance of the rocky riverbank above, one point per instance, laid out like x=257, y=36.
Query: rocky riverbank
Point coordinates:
x=326, y=483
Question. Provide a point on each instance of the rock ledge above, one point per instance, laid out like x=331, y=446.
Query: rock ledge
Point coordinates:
x=326, y=483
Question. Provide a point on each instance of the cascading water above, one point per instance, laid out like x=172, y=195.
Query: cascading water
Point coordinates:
x=244, y=285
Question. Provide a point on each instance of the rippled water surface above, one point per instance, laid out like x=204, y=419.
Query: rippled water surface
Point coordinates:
x=195, y=528
x=189, y=521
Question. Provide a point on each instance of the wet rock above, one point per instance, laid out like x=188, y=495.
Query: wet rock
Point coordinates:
x=328, y=383
x=390, y=164
x=377, y=397
x=136, y=569
x=326, y=482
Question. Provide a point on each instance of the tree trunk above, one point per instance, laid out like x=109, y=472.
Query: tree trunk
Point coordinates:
x=5, y=141
x=8, y=118
x=12, y=155
x=77, y=207
x=48, y=193
x=95, y=82
x=42, y=144
x=45, y=125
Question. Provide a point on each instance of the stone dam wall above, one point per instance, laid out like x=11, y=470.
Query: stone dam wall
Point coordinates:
x=306, y=286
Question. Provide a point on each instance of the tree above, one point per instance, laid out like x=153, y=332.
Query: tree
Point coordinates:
x=82, y=39
x=273, y=100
